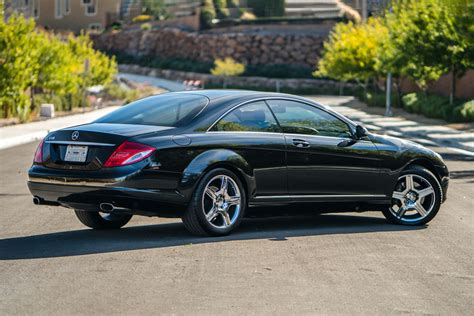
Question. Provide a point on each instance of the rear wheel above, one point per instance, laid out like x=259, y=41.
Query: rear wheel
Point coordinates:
x=98, y=220
x=217, y=205
x=416, y=199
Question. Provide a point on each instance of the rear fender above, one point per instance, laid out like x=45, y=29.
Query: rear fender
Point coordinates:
x=216, y=158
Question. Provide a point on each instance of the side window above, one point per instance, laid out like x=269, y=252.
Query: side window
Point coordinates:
x=253, y=117
x=299, y=118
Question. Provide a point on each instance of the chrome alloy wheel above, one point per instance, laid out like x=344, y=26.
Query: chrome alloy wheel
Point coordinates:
x=221, y=201
x=413, y=198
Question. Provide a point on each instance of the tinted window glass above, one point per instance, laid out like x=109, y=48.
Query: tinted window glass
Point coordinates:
x=163, y=110
x=251, y=117
x=300, y=118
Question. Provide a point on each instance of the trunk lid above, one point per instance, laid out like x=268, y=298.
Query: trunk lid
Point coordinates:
x=87, y=147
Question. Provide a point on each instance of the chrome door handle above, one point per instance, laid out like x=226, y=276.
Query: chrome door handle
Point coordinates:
x=301, y=143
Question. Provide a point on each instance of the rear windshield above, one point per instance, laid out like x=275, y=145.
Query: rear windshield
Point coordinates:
x=162, y=110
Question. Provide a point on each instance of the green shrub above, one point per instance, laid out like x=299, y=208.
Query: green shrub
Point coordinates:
x=221, y=8
x=114, y=91
x=146, y=26
x=464, y=112
x=142, y=18
x=227, y=67
x=208, y=13
x=267, y=8
x=378, y=99
x=278, y=71
x=61, y=103
x=435, y=106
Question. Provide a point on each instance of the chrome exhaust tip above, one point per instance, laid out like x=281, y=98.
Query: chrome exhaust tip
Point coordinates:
x=106, y=207
x=36, y=200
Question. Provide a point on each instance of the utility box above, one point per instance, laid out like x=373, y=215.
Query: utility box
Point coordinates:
x=47, y=110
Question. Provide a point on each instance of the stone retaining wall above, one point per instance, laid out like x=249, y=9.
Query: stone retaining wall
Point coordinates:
x=249, y=48
x=262, y=83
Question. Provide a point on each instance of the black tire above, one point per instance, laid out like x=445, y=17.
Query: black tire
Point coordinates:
x=194, y=217
x=438, y=197
x=96, y=221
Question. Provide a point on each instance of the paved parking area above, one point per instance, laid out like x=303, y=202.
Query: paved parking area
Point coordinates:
x=328, y=264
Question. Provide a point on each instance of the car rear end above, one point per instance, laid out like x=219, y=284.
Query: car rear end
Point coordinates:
x=100, y=167
x=104, y=166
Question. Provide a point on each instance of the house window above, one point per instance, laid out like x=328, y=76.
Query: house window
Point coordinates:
x=67, y=6
x=36, y=9
x=27, y=2
x=58, y=9
x=91, y=9
x=86, y=2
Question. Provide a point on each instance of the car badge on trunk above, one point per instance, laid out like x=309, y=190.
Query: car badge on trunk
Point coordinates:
x=75, y=135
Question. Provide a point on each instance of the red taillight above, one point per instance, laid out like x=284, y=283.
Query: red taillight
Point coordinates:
x=39, y=153
x=128, y=153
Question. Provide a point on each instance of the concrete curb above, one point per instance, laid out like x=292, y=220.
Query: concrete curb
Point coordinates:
x=20, y=134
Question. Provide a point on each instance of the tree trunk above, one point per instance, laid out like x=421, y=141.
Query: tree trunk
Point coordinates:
x=32, y=97
x=398, y=84
x=452, y=92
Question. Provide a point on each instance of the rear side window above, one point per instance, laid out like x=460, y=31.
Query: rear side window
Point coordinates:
x=162, y=110
x=253, y=117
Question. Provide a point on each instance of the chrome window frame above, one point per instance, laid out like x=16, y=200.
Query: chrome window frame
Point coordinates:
x=318, y=106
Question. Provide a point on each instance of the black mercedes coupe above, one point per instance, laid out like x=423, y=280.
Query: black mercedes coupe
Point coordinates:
x=210, y=156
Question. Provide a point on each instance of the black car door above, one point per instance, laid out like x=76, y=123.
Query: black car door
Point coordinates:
x=323, y=158
x=252, y=131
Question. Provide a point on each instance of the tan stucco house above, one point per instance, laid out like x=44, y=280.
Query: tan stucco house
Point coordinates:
x=74, y=15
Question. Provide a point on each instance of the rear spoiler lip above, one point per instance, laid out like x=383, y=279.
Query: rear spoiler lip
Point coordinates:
x=65, y=142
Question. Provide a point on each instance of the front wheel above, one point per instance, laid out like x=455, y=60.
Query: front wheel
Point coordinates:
x=217, y=205
x=416, y=199
x=98, y=220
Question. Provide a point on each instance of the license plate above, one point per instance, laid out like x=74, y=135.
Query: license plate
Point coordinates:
x=76, y=153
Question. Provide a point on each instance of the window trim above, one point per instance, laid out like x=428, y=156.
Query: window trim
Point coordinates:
x=94, y=4
x=67, y=7
x=244, y=104
x=349, y=126
x=36, y=5
x=349, y=123
x=58, y=7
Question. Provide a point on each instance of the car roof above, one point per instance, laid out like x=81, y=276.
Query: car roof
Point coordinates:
x=214, y=94
x=222, y=99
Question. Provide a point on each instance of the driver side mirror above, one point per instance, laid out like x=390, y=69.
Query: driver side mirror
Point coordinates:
x=361, y=132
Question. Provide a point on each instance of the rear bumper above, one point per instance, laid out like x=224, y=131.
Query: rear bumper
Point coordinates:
x=89, y=196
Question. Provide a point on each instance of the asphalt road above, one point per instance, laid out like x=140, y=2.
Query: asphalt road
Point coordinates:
x=332, y=264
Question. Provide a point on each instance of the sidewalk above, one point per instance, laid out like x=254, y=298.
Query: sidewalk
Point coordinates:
x=169, y=85
x=25, y=133
x=419, y=131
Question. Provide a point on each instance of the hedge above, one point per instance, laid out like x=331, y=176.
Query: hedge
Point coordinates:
x=434, y=106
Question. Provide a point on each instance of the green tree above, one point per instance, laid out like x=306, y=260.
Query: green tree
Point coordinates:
x=351, y=52
x=18, y=65
x=417, y=37
x=221, y=8
x=54, y=76
x=459, y=40
x=208, y=13
x=155, y=8
x=32, y=60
